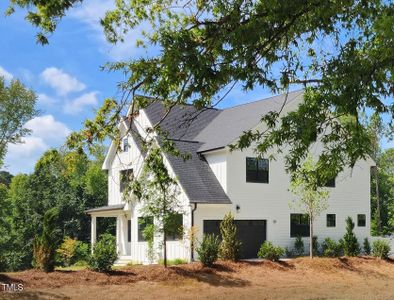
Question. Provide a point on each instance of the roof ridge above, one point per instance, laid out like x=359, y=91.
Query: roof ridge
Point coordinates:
x=264, y=99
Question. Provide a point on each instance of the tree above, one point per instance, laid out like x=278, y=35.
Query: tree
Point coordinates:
x=5, y=178
x=230, y=246
x=16, y=108
x=351, y=246
x=158, y=192
x=306, y=184
x=208, y=47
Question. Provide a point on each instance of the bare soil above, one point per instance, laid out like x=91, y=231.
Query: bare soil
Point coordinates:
x=302, y=278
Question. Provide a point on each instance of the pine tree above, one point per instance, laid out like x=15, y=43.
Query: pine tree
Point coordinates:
x=351, y=246
x=230, y=246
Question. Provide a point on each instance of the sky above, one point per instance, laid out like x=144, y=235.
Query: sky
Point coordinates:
x=66, y=76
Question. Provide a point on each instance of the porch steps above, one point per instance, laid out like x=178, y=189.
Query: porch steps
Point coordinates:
x=123, y=261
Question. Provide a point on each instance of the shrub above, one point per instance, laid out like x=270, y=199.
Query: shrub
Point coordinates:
x=315, y=245
x=381, y=249
x=289, y=252
x=299, y=246
x=173, y=262
x=351, y=246
x=367, y=247
x=104, y=254
x=82, y=253
x=330, y=248
x=45, y=245
x=67, y=251
x=208, y=250
x=230, y=246
x=270, y=252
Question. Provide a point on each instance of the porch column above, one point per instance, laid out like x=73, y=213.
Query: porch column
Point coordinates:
x=93, y=231
x=118, y=235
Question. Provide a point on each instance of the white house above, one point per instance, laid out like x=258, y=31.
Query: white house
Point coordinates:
x=216, y=181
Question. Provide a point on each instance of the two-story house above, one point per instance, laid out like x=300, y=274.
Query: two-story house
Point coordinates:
x=216, y=181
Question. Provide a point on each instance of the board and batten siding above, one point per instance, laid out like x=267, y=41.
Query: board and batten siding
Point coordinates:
x=218, y=163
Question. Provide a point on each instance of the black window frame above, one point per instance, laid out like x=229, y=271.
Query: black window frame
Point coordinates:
x=363, y=221
x=125, y=144
x=331, y=222
x=176, y=235
x=299, y=225
x=128, y=231
x=125, y=176
x=142, y=223
x=260, y=173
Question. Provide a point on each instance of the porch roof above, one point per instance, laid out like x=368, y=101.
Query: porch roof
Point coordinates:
x=105, y=208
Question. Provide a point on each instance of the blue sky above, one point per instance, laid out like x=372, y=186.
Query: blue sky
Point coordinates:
x=66, y=76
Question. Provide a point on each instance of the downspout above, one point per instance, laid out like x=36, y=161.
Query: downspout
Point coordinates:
x=192, y=232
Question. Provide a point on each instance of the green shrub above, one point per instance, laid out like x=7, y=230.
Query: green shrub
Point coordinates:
x=330, y=248
x=82, y=253
x=270, y=252
x=381, y=249
x=367, y=247
x=351, y=246
x=230, y=246
x=67, y=251
x=299, y=246
x=289, y=252
x=104, y=254
x=315, y=246
x=45, y=245
x=173, y=262
x=208, y=250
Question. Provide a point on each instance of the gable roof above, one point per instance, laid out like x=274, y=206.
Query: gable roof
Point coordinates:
x=195, y=131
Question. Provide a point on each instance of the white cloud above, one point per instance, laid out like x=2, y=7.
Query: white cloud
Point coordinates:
x=46, y=133
x=4, y=73
x=62, y=82
x=45, y=100
x=78, y=104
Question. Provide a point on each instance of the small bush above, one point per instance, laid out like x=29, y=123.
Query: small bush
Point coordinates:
x=299, y=246
x=230, y=246
x=381, y=249
x=351, y=246
x=270, y=252
x=208, y=250
x=315, y=246
x=330, y=248
x=82, y=253
x=67, y=251
x=367, y=247
x=173, y=262
x=289, y=252
x=104, y=254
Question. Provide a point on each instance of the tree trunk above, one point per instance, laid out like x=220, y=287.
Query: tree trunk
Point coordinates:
x=165, y=248
x=378, y=218
x=310, y=237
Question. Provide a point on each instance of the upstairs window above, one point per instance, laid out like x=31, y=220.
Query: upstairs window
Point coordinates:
x=257, y=170
x=361, y=220
x=330, y=183
x=126, y=176
x=143, y=222
x=125, y=145
x=331, y=220
x=299, y=225
x=175, y=226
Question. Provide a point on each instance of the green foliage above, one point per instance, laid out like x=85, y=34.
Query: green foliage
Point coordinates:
x=173, y=262
x=306, y=184
x=208, y=250
x=16, y=108
x=230, y=246
x=367, y=246
x=299, y=246
x=5, y=178
x=45, y=245
x=104, y=254
x=381, y=249
x=330, y=248
x=67, y=251
x=315, y=245
x=149, y=234
x=351, y=246
x=270, y=252
x=82, y=252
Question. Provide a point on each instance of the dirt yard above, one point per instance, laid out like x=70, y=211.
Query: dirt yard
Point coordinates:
x=321, y=278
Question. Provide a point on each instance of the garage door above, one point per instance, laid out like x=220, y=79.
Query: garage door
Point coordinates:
x=252, y=233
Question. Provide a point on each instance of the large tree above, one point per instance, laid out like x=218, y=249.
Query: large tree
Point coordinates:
x=16, y=108
x=341, y=50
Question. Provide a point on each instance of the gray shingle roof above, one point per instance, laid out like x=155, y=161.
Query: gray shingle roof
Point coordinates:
x=197, y=131
x=105, y=208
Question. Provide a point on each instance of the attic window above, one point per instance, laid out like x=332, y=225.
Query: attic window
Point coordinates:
x=125, y=145
x=257, y=170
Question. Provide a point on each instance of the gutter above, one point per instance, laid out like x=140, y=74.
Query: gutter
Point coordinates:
x=192, y=241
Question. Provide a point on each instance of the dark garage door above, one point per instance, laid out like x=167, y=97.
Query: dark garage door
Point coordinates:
x=252, y=233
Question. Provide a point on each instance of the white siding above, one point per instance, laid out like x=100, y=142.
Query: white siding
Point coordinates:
x=218, y=163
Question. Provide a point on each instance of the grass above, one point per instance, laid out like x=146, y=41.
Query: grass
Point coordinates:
x=173, y=262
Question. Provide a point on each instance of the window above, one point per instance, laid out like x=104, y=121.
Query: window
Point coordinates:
x=126, y=176
x=175, y=227
x=143, y=222
x=299, y=225
x=328, y=183
x=125, y=144
x=129, y=231
x=361, y=220
x=257, y=170
x=331, y=220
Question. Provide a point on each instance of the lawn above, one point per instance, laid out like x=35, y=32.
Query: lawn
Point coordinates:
x=320, y=278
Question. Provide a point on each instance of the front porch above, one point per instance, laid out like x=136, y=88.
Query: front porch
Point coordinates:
x=123, y=232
